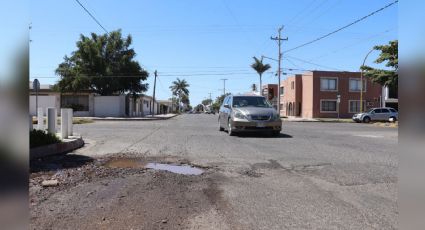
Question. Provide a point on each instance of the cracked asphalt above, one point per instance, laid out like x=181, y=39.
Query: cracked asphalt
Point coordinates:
x=315, y=175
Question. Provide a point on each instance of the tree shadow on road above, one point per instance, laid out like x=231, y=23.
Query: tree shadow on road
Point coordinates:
x=262, y=135
x=58, y=162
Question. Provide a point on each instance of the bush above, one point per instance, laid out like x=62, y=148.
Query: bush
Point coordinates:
x=40, y=138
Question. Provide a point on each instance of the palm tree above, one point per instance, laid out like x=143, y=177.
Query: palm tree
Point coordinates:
x=180, y=88
x=260, y=68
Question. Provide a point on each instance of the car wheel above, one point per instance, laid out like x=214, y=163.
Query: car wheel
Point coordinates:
x=229, y=128
x=366, y=119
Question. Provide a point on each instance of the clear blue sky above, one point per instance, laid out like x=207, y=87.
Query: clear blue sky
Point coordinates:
x=190, y=37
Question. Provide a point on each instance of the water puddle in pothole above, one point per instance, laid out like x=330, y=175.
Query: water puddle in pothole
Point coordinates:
x=139, y=164
x=180, y=169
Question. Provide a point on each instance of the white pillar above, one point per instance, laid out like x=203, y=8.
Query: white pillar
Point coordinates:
x=137, y=108
x=51, y=120
x=130, y=107
x=70, y=124
x=40, y=118
x=64, y=123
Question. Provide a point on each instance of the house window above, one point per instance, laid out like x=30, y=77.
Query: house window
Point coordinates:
x=292, y=85
x=355, y=85
x=328, y=84
x=282, y=90
x=355, y=106
x=328, y=106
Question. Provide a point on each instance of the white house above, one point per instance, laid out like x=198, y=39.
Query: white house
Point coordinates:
x=89, y=104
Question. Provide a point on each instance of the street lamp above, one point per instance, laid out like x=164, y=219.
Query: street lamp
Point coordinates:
x=361, y=80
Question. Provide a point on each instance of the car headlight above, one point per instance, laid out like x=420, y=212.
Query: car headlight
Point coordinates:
x=276, y=116
x=239, y=115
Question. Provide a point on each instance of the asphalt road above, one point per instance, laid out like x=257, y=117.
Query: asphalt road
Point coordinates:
x=313, y=176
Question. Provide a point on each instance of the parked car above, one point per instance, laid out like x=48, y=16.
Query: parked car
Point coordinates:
x=376, y=114
x=251, y=113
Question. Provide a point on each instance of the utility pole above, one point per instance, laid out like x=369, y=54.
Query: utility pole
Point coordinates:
x=361, y=80
x=210, y=98
x=153, y=98
x=224, y=86
x=279, y=39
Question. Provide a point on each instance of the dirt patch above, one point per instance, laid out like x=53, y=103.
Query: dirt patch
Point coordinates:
x=99, y=194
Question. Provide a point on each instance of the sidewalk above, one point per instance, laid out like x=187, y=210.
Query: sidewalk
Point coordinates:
x=300, y=119
x=145, y=118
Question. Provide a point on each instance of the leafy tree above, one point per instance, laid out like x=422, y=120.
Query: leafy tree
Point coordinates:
x=385, y=77
x=185, y=99
x=206, y=101
x=104, y=64
x=260, y=68
x=218, y=101
x=179, y=88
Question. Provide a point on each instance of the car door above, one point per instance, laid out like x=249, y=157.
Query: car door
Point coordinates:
x=374, y=114
x=222, y=113
x=228, y=110
x=385, y=115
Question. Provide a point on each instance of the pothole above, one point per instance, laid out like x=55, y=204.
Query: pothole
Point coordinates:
x=138, y=163
x=180, y=169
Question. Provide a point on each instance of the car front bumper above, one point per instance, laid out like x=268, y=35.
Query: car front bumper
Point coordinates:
x=253, y=126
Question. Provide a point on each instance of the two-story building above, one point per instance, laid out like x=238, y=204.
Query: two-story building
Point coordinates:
x=327, y=94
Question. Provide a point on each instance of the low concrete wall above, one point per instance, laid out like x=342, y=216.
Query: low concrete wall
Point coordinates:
x=55, y=149
x=109, y=106
x=43, y=102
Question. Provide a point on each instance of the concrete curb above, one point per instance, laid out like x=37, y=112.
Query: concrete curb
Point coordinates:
x=132, y=119
x=55, y=149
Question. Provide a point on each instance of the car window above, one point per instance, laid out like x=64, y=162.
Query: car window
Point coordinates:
x=225, y=101
x=243, y=101
x=393, y=110
x=377, y=111
x=385, y=111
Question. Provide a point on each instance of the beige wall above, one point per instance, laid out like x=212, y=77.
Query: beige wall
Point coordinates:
x=307, y=94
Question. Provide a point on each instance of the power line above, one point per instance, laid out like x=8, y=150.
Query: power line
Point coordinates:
x=91, y=15
x=311, y=63
x=342, y=28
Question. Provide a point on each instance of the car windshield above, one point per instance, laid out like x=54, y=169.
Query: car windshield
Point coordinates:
x=250, y=102
x=369, y=111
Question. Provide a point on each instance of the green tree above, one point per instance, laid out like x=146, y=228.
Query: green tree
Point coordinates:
x=179, y=88
x=389, y=56
x=206, y=101
x=260, y=67
x=218, y=101
x=185, y=100
x=104, y=64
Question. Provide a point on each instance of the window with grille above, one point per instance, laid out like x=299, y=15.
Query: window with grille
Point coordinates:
x=328, y=106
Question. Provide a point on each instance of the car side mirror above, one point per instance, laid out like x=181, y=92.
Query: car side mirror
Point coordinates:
x=227, y=106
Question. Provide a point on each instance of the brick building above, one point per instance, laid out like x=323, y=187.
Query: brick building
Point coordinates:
x=314, y=94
